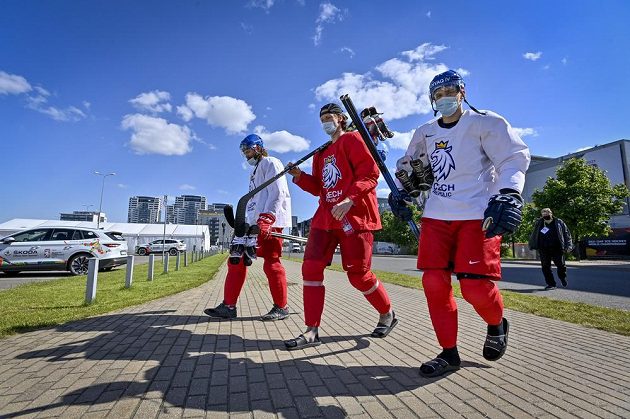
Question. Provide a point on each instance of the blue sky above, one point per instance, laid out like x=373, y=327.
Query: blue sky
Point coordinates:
x=162, y=92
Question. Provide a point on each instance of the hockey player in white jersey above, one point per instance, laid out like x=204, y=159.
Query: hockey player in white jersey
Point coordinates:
x=270, y=209
x=473, y=164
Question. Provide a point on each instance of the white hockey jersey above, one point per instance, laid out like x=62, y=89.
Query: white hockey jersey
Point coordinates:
x=275, y=198
x=471, y=161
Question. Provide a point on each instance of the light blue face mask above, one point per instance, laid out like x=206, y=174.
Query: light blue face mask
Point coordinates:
x=447, y=105
x=329, y=127
x=252, y=161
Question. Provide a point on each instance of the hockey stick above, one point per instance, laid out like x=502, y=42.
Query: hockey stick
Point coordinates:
x=240, y=226
x=298, y=239
x=358, y=122
x=228, y=212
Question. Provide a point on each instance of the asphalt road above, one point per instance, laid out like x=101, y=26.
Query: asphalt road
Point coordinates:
x=602, y=285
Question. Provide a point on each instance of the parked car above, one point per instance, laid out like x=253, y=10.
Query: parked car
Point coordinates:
x=296, y=247
x=157, y=246
x=61, y=249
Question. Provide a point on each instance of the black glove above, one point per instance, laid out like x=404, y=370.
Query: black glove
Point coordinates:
x=504, y=213
x=399, y=205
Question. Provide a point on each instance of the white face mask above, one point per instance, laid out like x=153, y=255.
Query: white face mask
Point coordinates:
x=329, y=127
x=447, y=105
x=252, y=161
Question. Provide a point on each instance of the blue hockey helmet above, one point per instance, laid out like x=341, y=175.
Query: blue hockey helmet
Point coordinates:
x=448, y=78
x=251, y=141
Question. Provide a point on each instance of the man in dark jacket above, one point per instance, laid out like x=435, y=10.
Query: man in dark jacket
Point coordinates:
x=552, y=239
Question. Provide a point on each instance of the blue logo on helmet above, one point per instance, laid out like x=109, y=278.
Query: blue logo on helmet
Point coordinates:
x=448, y=78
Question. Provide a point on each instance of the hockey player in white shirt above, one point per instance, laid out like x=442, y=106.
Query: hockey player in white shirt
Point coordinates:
x=270, y=209
x=473, y=165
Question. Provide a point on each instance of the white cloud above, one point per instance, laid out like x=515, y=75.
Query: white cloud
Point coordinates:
x=533, y=56
x=122, y=186
x=262, y=4
x=281, y=141
x=38, y=101
x=306, y=166
x=525, y=132
x=12, y=84
x=382, y=192
x=154, y=102
x=347, y=50
x=152, y=135
x=328, y=13
x=187, y=187
x=37, y=98
x=233, y=115
x=546, y=67
x=429, y=14
x=564, y=61
x=401, y=140
x=425, y=51
x=403, y=90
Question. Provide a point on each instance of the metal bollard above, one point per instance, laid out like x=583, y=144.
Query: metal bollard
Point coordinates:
x=92, y=280
x=166, y=259
x=177, y=262
x=129, y=277
x=185, y=258
x=151, y=264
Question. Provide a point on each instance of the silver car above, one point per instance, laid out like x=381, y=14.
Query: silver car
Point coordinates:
x=61, y=249
x=170, y=246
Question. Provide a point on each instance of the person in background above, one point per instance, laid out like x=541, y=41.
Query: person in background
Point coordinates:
x=552, y=239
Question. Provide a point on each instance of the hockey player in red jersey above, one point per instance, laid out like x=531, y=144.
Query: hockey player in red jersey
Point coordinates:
x=270, y=209
x=344, y=178
x=474, y=164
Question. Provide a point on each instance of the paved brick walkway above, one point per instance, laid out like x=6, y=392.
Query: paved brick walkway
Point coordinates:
x=165, y=359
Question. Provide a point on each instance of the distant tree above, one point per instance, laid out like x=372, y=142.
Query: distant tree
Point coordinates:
x=530, y=215
x=397, y=231
x=582, y=196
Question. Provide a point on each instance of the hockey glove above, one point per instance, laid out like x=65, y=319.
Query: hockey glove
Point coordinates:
x=265, y=221
x=504, y=213
x=399, y=206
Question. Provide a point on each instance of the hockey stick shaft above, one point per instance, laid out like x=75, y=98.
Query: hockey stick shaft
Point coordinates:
x=358, y=122
x=298, y=239
x=241, y=206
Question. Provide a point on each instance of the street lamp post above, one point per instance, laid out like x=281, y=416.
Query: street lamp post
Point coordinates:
x=100, y=206
x=223, y=237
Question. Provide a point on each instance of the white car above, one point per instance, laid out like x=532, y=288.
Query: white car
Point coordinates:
x=61, y=249
x=172, y=247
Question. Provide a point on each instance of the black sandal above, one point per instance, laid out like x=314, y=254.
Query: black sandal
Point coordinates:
x=383, y=330
x=438, y=366
x=495, y=346
x=300, y=342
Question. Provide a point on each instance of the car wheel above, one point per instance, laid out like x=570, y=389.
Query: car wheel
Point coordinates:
x=142, y=251
x=78, y=264
x=172, y=252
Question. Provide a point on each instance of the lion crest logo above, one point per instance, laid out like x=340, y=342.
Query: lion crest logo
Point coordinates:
x=330, y=172
x=441, y=160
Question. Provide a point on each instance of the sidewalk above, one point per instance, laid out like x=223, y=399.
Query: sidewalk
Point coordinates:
x=166, y=359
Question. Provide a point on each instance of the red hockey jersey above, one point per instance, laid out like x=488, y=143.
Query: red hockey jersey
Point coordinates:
x=345, y=169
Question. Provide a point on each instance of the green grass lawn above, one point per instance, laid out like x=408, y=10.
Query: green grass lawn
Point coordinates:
x=608, y=319
x=51, y=303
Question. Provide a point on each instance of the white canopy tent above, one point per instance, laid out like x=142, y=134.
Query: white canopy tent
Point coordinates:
x=195, y=236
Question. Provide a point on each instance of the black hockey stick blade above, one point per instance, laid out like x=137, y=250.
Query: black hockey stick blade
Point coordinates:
x=241, y=206
x=228, y=212
x=358, y=122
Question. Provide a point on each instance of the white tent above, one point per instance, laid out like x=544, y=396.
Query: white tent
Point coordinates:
x=195, y=236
